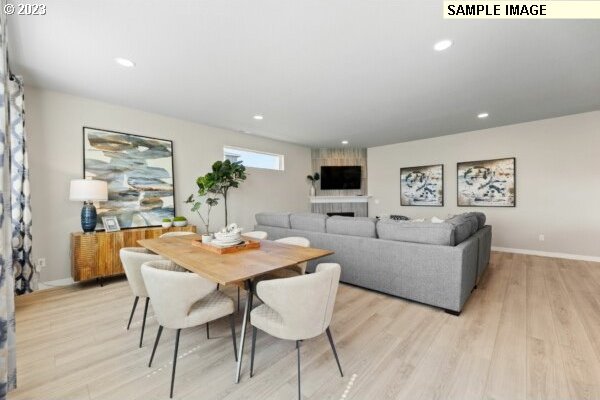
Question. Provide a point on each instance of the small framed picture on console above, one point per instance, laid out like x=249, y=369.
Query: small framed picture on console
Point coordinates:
x=111, y=224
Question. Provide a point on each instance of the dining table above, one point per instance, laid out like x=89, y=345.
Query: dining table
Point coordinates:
x=234, y=268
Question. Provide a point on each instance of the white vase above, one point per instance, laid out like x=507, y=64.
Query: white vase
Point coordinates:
x=313, y=191
x=207, y=238
x=167, y=224
x=179, y=223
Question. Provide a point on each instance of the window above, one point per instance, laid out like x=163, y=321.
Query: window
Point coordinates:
x=254, y=159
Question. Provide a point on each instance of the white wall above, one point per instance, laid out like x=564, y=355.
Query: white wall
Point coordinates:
x=558, y=181
x=54, y=126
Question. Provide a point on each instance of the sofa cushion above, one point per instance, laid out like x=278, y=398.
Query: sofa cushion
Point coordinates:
x=480, y=219
x=278, y=219
x=465, y=225
x=308, y=222
x=416, y=232
x=359, y=226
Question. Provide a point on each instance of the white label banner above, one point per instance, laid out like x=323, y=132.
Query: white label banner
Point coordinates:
x=527, y=9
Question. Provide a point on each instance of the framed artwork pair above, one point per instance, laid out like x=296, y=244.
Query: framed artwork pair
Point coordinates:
x=485, y=183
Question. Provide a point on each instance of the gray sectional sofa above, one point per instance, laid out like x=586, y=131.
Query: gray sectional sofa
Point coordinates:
x=433, y=263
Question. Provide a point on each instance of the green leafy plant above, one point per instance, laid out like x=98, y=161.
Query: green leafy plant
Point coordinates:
x=224, y=175
x=314, y=178
x=179, y=219
x=200, y=199
x=166, y=220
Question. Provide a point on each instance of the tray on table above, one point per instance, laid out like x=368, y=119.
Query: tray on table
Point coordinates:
x=245, y=245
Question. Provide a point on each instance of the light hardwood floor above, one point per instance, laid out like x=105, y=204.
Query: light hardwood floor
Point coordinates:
x=531, y=330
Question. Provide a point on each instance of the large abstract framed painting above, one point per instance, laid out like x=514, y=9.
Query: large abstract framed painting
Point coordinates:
x=422, y=186
x=139, y=174
x=488, y=183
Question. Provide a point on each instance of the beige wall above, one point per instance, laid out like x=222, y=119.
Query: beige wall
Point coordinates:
x=54, y=125
x=558, y=181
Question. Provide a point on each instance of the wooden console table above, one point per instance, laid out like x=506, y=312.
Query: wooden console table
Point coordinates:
x=96, y=255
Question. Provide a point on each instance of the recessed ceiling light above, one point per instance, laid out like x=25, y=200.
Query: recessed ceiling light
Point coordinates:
x=442, y=45
x=344, y=142
x=258, y=117
x=483, y=115
x=124, y=62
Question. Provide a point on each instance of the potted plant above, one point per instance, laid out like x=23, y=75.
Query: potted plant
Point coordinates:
x=313, y=179
x=167, y=223
x=179, y=221
x=224, y=175
x=197, y=202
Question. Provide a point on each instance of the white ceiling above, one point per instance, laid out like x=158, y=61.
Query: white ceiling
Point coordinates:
x=319, y=71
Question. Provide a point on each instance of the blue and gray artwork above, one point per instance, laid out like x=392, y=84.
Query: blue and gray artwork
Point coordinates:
x=489, y=183
x=139, y=173
x=422, y=186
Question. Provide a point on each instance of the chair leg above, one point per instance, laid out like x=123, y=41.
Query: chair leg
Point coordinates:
x=144, y=321
x=207, y=331
x=160, y=328
x=298, y=351
x=252, y=351
x=132, y=311
x=232, y=324
x=175, y=361
x=334, y=352
x=239, y=299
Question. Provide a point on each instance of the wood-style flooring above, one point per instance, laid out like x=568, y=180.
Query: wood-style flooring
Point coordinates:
x=530, y=331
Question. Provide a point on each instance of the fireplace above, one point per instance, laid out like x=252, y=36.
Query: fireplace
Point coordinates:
x=342, y=214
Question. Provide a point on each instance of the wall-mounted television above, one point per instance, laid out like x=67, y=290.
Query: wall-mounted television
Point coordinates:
x=340, y=178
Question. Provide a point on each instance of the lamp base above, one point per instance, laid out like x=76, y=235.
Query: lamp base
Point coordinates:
x=89, y=218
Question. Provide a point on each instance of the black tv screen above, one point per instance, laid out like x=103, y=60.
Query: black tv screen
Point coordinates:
x=340, y=177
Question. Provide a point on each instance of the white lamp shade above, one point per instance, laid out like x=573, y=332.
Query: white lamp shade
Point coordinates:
x=88, y=190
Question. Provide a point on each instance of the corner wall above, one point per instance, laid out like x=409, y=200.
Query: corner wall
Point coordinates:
x=558, y=181
x=54, y=127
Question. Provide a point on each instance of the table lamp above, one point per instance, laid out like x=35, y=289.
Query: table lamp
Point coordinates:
x=88, y=191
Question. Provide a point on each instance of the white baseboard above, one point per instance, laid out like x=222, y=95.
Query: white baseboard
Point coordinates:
x=56, y=283
x=546, y=254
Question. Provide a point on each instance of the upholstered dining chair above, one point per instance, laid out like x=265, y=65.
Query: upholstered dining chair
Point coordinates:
x=258, y=235
x=295, y=270
x=299, y=269
x=183, y=300
x=298, y=309
x=132, y=259
x=176, y=233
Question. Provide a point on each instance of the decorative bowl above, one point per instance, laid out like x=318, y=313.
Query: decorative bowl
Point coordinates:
x=228, y=237
x=179, y=223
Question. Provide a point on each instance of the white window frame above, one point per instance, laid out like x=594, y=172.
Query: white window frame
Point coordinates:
x=281, y=157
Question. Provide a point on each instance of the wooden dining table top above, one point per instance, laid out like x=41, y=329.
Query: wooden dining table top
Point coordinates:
x=233, y=267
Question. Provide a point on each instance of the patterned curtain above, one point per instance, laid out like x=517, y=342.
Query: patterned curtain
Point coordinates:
x=20, y=198
x=8, y=370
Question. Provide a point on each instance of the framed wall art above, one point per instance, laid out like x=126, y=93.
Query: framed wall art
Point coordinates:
x=422, y=186
x=487, y=183
x=139, y=174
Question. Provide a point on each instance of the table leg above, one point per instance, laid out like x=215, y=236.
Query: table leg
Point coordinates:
x=246, y=317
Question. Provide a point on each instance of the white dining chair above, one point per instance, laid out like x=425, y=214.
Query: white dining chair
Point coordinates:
x=298, y=309
x=299, y=269
x=176, y=233
x=183, y=300
x=258, y=235
x=132, y=259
